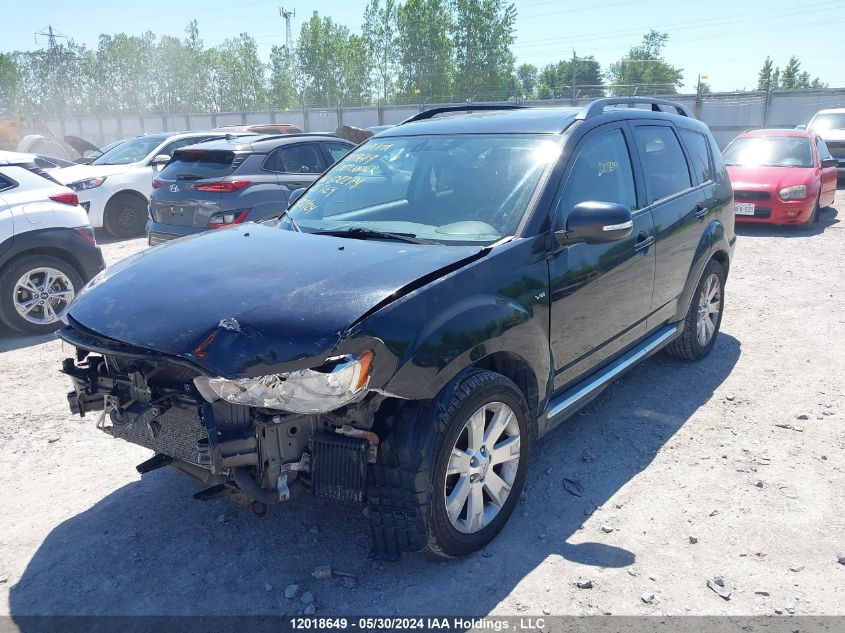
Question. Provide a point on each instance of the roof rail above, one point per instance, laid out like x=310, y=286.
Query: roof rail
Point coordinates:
x=595, y=108
x=433, y=112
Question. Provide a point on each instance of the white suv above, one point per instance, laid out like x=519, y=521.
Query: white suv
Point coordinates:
x=830, y=125
x=47, y=247
x=115, y=188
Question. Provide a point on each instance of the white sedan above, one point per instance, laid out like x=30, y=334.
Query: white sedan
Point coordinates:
x=115, y=188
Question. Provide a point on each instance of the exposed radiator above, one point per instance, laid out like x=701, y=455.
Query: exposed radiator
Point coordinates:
x=178, y=431
x=339, y=467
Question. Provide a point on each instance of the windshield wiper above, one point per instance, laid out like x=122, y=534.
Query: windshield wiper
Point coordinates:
x=363, y=232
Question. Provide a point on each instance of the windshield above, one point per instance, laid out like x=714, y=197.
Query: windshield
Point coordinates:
x=469, y=188
x=831, y=121
x=772, y=151
x=130, y=151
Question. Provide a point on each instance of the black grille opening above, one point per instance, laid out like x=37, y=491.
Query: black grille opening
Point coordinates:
x=752, y=195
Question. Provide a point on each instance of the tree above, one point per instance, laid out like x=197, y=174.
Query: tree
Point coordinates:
x=426, y=59
x=8, y=82
x=526, y=76
x=556, y=80
x=380, y=33
x=483, y=34
x=790, y=78
x=283, y=91
x=765, y=76
x=644, y=71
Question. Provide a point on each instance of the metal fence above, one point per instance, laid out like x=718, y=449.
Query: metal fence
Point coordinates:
x=727, y=114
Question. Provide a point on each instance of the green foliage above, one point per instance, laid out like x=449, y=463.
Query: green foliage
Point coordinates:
x=644, y=71
x=483, y=34
x=8, y=81
x=426, y=58
x=526, y=77
x=791, y=78
x=381, y=37
x=556, y=80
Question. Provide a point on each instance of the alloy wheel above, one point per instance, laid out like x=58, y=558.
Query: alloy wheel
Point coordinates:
x=482, y=467
x=709, y=307
x=42, y=295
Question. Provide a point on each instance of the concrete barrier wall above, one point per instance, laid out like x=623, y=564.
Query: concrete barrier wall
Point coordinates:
x=727, y=114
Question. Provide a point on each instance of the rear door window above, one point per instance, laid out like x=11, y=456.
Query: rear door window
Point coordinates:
x=188, y=164
x=299, y=158
x=699, y=156
x=664, y=164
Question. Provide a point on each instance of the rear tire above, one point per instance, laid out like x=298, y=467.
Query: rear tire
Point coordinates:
x=701, y=323
x=422, y=464
x=125, y=216
x=45, y=311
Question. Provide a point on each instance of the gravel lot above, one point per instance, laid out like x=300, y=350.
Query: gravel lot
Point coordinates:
x=742, y=452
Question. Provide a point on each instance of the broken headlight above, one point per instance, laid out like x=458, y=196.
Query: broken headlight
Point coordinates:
x=339, y=381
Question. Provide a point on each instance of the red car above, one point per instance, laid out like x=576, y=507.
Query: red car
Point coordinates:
x=780, y=176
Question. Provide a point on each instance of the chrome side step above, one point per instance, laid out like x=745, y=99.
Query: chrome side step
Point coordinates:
x=567, y=403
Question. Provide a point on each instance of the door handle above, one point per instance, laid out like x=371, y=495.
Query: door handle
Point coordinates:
x=643, y=241
x=701, y=212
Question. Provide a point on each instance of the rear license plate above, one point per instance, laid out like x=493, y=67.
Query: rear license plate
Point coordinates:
x=744, y=208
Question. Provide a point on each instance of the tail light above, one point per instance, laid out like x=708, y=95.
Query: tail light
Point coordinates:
x=226, y=218
x=88, y=233
x=156, y=184
x=66, y=198
x=224, y=186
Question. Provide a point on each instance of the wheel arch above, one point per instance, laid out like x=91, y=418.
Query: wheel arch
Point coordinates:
x=131, y=192
x=713, y=245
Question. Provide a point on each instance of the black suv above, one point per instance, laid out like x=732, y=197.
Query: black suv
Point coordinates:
x=239, y=179
x=451, y=290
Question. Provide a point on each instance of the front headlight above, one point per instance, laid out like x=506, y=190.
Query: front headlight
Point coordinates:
x=339, y=381
x=798, y=192
x=90, y=183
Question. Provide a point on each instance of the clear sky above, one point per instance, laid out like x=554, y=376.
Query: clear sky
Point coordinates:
x=725, y=39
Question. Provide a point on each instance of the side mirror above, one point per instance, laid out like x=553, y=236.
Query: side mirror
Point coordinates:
x=596, y=223
x=295, y=195
x=830, y=162
x=160, y=159
x=801, y=127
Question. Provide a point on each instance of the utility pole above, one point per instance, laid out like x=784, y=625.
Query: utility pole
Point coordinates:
x=51, y=36
x=574, y=63
x=286, y=16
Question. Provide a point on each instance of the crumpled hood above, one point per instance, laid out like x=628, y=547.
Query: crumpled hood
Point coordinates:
x=245, y=300
x=768, y=178
x=67, y=175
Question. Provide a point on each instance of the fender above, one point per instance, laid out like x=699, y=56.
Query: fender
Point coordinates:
x=505, y=313
x=61, y=242
x=712, y=241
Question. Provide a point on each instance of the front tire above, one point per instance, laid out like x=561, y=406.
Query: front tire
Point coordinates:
x=125, y=216
x=35, y=291
x=459, y=475
x=704, y=316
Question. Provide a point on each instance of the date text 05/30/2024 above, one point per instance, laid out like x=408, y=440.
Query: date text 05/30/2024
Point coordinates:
x=305, y=623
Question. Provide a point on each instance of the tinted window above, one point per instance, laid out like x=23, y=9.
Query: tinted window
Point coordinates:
x=302, y=158
x=697, y=147
x=188, y=164
x=601, y=173
x=664, y=163
x=777, y=151
x=824, y=153
x=338, y=150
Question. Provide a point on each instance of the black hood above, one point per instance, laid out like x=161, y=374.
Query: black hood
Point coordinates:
x=245, y=300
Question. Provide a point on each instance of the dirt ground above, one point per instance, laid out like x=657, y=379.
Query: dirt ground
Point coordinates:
x=742, y=453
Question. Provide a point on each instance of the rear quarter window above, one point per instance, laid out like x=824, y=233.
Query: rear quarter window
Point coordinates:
x=5, y=183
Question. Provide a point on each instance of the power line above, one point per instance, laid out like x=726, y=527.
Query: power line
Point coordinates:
x=51, y=36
